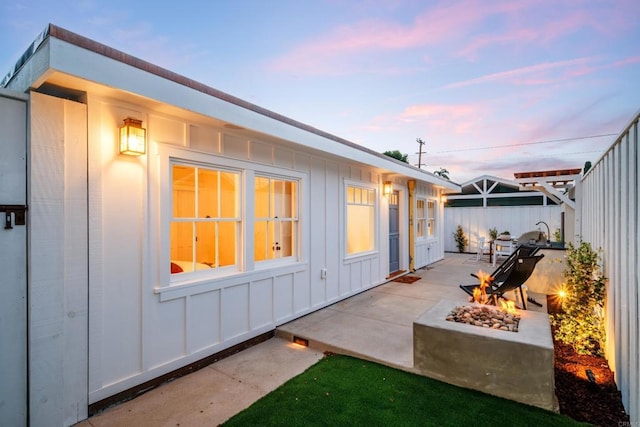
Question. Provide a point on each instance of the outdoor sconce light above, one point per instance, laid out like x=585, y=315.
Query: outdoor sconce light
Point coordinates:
x=387, y=187
x=443, y=198
x=132, y=137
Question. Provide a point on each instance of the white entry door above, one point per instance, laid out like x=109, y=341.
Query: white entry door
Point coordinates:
x=13, y=259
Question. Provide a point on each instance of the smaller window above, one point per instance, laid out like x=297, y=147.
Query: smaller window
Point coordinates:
x=431, y=218
x=361, y=217
x=276, y=218
x=420, y=218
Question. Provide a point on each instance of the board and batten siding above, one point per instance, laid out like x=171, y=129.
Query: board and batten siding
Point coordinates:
x=608, y=211
x=58, y=275
x=476, y=222
x=140, y=329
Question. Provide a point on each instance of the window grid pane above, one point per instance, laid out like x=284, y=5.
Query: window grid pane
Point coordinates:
x=205, y=226
x=431, y=218
x=276, y=218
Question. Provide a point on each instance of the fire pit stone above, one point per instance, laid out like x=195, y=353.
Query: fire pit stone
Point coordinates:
x=516, y=366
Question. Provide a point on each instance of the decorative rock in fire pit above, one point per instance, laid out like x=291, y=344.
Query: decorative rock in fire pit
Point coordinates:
x=485, y=316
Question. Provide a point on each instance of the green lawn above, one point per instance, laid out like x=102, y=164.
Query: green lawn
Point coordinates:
x=341, y=391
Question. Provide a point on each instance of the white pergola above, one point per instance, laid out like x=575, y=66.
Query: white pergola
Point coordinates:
x=554, y=184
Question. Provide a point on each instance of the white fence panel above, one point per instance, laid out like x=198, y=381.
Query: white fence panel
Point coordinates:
x=476, y=222
x=610, y=222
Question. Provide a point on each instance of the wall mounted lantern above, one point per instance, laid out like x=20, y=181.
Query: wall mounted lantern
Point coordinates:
x=132, y=137
x=443, y=198
x=387, y=188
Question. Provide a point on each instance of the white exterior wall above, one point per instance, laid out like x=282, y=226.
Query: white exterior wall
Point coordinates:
x=58, y=282
x=140, y=329
x=476, y=222
x=609, y=221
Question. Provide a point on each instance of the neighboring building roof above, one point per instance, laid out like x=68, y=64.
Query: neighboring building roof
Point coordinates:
x=488, y=190
x=111, y=69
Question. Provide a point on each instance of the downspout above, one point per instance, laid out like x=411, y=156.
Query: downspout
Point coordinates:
x=411, y=184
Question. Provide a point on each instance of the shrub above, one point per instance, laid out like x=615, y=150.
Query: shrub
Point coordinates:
x=493, y=233
x=581, y=323
x=461, y=239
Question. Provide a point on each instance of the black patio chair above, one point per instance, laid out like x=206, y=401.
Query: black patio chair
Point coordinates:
x=502, y=271
x=510, y=278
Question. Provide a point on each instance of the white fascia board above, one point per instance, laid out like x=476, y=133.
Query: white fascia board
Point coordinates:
x=76, y=61
x=18, y=96
x=35, y=70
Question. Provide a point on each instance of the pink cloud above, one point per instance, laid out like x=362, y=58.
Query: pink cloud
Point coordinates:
x=534, y=74
x=531, y=25
x=441, y=24
x=457, y=119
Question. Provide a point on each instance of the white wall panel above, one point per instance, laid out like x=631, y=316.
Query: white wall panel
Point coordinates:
x=283, y=303
x=203, y=321
x=318, y=236
x=234, y=146
x=261, y=152
x=333, y=242
x=355, y=276
x=118, y=228
x=58, y=281
x=261, y=299
x=204, y=138
x=368, y=273
x=165, y=337
x=235, y=311
x=301, y=293
x=165, y=129
x=283, y=158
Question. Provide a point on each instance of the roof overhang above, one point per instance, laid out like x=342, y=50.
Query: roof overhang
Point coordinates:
x=62, y=58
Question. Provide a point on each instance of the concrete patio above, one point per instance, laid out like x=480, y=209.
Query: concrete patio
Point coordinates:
x=376, y=325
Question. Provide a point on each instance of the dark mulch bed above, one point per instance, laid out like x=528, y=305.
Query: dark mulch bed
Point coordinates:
x=597, y=403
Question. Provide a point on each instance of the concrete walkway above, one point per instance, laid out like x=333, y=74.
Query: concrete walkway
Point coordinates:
x=375, y=325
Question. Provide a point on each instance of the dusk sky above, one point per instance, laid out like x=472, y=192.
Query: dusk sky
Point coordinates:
x=492, y=87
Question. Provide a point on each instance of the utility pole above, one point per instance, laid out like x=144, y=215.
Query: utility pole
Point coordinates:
x=420, y=152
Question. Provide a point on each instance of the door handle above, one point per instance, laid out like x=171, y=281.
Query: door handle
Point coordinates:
x=19, y=212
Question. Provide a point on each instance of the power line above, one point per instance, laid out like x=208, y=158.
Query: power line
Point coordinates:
x=526, y=143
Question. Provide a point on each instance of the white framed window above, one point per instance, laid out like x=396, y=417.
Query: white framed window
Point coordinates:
x=275, y=218
x=205, y=223
x=211, y=211
x=420, y=218
x=361, y=208
x=431, y=218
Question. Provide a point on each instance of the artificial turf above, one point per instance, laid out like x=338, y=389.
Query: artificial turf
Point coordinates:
x=341, y=390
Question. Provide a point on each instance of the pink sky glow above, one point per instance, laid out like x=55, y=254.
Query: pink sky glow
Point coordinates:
x=492, y=87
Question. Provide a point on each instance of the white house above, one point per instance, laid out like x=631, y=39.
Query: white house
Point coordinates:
x=120, y=269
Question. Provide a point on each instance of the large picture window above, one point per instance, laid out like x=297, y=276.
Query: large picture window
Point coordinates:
x=361, y=217
x=205, y=220
x=276, y=218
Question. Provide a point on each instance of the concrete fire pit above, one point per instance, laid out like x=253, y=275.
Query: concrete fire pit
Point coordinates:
x=517, y=366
